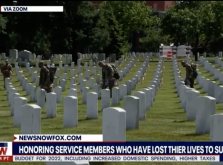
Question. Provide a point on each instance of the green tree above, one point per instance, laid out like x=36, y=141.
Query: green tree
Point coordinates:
x=153, y=38
x=68, y=31
x=3, y=22
x=216, y=40
x=27, y=31
x=80, y=18
x=123, y=18
x=189, y=22
x=105, y=29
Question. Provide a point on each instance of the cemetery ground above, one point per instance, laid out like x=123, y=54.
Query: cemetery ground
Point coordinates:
x=207, y=75
x=165, y=121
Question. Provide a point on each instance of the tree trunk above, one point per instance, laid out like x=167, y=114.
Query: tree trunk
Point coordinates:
x=196, y=47
x=74, y=53
x=74, y=56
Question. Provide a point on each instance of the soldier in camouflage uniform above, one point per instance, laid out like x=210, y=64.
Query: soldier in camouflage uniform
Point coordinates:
x=189, y=80
x=108, y=79
x=44, y=81
x=6, y=70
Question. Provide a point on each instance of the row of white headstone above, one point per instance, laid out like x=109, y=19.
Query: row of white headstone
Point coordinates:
x=71, y=100
x=41, y=94
x=209, y=86
x=31, y=90
x=51, y=107
x=72, y=97
x=200, y=109
x=67, y=101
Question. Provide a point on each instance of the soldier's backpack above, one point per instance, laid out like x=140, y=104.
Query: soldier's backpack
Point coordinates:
x=116, y=74
x=194, y=70
x=52, y=71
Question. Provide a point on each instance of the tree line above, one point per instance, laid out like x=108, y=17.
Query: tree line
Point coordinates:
x=109, y=27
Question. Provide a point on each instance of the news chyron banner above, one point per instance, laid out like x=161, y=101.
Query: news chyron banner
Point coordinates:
x=31, y=9
x=6, y=152
x=92, y=148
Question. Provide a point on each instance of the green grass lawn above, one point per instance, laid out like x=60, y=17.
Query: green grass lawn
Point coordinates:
x=165, y=121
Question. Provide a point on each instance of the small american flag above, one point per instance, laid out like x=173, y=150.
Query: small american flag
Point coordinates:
x=79, y=91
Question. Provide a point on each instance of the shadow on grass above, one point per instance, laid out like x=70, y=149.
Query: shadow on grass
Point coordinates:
x=179, y=112
x=4, y=106
x=180, y=121
x=8, y=116
x=18, y=85
x=193, y=134
x=31, y=102
x=177, y=101
x=175, y=97
x=9, y=127
x=84, y=119
x=153, y=61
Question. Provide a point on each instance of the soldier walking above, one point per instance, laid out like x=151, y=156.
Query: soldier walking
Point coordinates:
x=189, y=80
x=6, y=70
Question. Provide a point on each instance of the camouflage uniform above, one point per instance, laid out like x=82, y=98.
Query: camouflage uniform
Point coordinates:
x=189, y=75
x=6, y=71
x=44, y=81
x=108, y=74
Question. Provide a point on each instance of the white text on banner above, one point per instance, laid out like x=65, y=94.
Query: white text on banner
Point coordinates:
x=105, y=158
x=58, y=138
x=31, y=8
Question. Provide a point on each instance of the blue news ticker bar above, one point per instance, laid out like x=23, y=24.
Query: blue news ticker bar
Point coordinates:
x=3, y=144
x=217, y=147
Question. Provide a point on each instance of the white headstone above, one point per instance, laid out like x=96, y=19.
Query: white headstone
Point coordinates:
x=51, y=105
x=70, y=116
x=41, y=97
x=12, y=96
x=115, y=96
x=216, y=126
x=84, y=92
x=142, y=104
x=31, y=119
x=72, y=92
x=105, y=98
x=92, y=105
x=18, y=103
x=114, y=124
x=131, y=106
x=58, y=91
x=205, y=108
x=13, y=53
